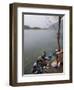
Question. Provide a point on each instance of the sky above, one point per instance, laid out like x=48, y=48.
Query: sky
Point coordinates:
x=41, y=21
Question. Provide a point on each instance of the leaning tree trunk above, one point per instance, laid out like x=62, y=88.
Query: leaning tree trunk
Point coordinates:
x=58, y=34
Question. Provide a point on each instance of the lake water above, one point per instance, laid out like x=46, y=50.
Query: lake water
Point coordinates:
x=36, y=41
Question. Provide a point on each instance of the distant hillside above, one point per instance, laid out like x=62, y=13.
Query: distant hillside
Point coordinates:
x=28, y=27
x=36, y=28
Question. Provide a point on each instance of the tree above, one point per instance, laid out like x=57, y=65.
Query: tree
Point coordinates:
x=58, y=33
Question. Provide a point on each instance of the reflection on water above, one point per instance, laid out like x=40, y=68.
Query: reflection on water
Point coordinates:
x=36, y=41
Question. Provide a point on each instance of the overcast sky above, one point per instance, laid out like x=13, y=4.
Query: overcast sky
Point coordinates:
x=40, y=20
